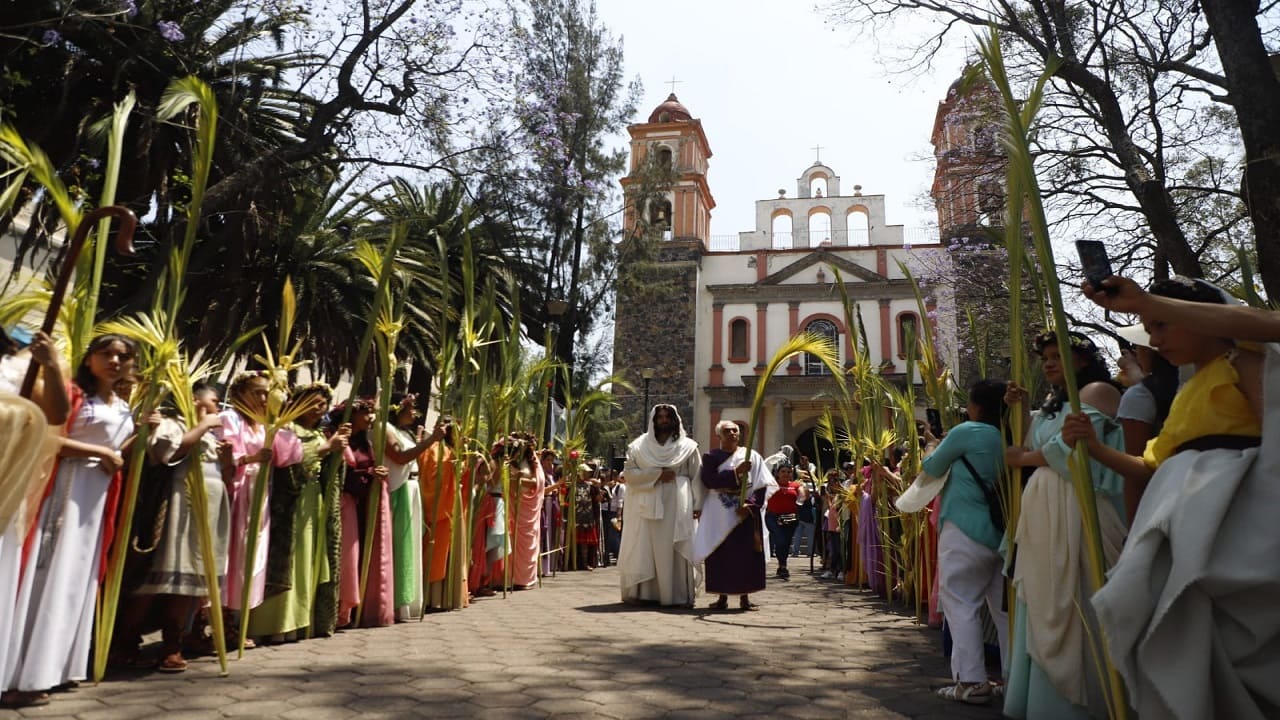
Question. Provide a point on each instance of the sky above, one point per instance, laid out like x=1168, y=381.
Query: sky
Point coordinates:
x=772, y=80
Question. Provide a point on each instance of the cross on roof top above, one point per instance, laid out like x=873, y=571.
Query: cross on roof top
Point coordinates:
x=673, y=82
x=817, y=149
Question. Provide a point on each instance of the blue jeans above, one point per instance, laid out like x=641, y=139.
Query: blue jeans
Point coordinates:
x=780, y=537
x=804, y=530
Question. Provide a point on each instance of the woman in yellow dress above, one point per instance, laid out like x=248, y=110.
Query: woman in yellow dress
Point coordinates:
x=1189, y=611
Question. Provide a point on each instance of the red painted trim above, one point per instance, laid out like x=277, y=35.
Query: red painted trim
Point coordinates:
x=793, y=323
x=886, y=342
x=762, y=314
x=897, y=327
x=717, y=331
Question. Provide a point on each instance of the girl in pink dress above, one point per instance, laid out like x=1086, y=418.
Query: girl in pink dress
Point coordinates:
x=364, y=478
x=248, y=391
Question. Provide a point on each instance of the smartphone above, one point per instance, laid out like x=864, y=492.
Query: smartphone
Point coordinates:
x=21, y=336
x=934, y=418
x=1095, y=263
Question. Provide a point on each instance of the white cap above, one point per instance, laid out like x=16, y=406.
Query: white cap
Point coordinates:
x=1135, y=334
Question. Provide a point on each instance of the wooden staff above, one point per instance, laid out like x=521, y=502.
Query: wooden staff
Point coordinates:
x=124, y=246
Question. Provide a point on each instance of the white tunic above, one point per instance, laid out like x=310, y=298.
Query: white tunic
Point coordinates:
x=24, y=472
x=655, y=556
x=56, y=595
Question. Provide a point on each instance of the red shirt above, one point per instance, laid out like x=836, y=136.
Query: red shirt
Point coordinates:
x=785, y=499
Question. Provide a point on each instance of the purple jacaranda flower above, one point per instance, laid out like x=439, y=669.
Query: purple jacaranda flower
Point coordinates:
x=51, y=37
x=129, y=7
x=170, y=31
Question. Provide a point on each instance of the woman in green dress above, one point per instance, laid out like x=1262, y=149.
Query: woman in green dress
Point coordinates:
x=404, y=445
x=301, y=565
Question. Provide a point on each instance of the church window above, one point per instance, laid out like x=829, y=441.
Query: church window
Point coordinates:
x=664, y=157
x=660, y=213
x=826, y=328
x=908, y=332
x=819, y=228
x=739, y=343
x=859, y=226
x=782, y=231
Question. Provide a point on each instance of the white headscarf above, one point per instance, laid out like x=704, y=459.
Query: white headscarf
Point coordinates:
x=649, y=452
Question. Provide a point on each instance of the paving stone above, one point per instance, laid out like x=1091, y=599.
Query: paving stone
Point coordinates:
x=571, y=650
x=506, y=699
x=563, y=706
x=320, y=713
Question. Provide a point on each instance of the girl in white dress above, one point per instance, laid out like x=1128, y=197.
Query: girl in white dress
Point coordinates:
x=56, y=593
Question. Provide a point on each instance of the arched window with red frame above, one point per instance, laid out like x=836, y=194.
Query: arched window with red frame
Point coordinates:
x=739, y=340
x=908, y=332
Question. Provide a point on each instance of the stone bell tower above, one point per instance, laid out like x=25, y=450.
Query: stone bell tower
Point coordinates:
x=969, y=186
x=668, y=215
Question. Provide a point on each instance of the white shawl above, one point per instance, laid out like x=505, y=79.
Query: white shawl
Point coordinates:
x=1189, y=611
x=647, y=458
x=720, y=508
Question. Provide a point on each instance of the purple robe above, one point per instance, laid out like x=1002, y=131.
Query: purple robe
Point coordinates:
x=736, y=567
x=870, y=545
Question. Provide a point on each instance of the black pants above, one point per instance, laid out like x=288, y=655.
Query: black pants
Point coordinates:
x=612, y=537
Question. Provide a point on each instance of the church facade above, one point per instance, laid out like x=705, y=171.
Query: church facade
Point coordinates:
x=696, y=325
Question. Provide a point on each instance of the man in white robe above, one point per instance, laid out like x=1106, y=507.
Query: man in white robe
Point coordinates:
x=663, y=498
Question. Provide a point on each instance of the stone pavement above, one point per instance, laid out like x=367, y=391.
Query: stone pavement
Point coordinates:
x=571, y=650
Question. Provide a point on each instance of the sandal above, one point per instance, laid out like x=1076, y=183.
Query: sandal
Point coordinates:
x=721, y=604
x=968, y=693
x=172, y=663
x=20, y=699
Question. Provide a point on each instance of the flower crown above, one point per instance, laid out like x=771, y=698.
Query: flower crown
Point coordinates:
x=1079, y=342
x=410, y=399
x=316, y=388
x=360, y=405
x=517, y=444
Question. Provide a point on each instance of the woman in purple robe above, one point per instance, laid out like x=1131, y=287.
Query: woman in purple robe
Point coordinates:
x=730, y=535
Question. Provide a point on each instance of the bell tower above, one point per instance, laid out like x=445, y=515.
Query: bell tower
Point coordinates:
x=969, y=194
x=667, y=222
x=668, y=175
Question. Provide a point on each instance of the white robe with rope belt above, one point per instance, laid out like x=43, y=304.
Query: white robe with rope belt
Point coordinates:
x=655, y=558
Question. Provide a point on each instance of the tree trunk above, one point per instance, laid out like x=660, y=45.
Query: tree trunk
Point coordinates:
x=1254, y=92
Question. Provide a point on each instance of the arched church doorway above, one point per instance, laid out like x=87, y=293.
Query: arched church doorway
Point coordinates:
x=820, y=452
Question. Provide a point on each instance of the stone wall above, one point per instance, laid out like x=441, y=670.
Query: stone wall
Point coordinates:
x=655, y=327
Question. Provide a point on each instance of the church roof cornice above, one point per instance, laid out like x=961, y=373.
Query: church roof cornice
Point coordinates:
x=639, y=131
x=823, y=255
x=809, y=292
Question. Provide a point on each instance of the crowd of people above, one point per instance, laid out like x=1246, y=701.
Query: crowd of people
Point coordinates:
x=1183, y=490
x=346, y=536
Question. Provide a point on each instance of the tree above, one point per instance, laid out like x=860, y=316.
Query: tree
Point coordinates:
x=554, y=174
x=1132, y=112
x=1253, y=91
x=298, y=103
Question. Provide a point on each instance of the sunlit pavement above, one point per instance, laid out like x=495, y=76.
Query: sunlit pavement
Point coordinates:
x=570, y=649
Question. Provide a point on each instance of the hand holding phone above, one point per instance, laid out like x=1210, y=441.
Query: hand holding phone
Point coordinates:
x=934, y=418
x=1095, y=263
